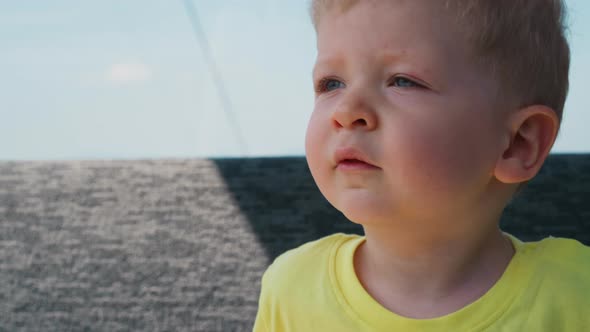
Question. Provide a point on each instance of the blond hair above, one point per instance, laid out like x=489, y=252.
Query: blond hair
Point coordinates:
x=521, y=42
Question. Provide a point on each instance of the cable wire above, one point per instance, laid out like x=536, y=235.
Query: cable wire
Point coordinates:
x=226, y=103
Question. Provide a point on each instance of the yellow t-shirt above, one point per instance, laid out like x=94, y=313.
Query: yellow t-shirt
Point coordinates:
x=546, y=287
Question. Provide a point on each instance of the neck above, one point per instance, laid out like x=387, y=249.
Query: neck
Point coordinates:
x=429, y=274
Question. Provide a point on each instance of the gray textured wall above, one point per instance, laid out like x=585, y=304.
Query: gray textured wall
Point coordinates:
x=180, y=245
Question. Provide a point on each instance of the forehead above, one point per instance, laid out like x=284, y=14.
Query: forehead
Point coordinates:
x=419, y=32
x=416, y=25
x=421, y=36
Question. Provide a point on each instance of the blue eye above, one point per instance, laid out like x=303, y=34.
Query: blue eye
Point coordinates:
x=329, y=84
x=403, y=82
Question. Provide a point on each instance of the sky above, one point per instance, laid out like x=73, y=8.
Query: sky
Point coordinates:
x=130, y=79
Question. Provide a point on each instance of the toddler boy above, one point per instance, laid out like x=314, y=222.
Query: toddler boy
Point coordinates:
x=429, y=115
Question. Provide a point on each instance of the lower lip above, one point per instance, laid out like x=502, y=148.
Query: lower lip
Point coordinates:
x=355, y=166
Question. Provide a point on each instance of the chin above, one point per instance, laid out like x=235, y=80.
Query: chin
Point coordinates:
x=362, y=211
x=363, y=219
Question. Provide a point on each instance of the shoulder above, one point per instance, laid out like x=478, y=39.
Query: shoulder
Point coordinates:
x=308, y=257
x=559, y=284
x=298, y=284
x=567, y=254
x=564, y=263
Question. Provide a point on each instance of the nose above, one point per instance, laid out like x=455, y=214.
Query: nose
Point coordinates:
x=354, y=112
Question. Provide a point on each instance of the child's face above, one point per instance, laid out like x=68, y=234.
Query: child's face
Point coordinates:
x=395, y=83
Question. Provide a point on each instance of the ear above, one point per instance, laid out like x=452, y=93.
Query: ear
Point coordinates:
x=530, y=135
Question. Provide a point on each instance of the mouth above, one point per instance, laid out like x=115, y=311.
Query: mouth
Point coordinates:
x=354, y=165
x=351, y=159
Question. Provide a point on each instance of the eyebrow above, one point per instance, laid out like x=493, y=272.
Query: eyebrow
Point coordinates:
x=389, y=57
x=338, y=61
x=328, y=61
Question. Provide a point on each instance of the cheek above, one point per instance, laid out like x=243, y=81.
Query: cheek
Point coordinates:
x=315, y=138
x=312, y=138
x=439, y=155
x=317, y=151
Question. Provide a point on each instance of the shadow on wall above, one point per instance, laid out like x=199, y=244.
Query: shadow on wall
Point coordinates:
x=285, y=209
